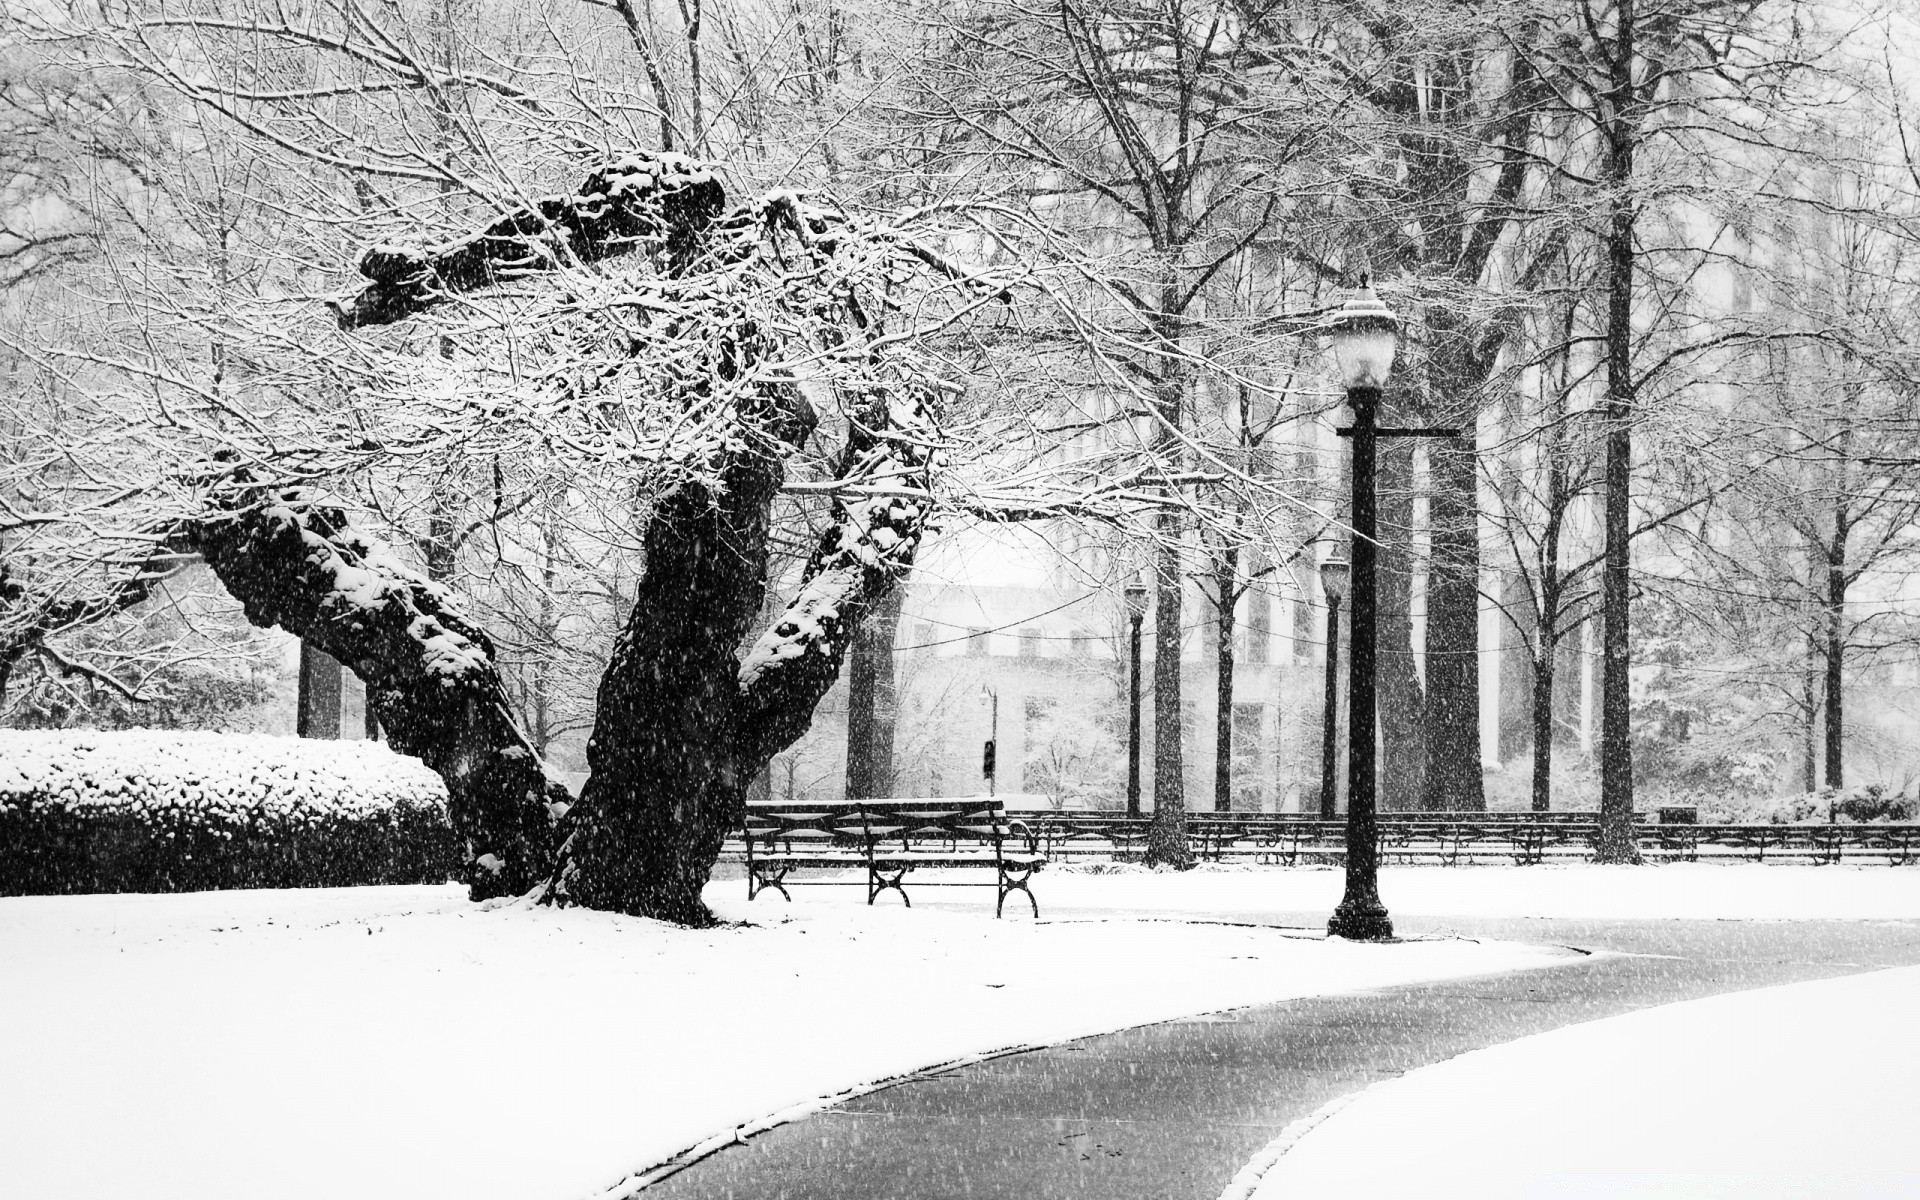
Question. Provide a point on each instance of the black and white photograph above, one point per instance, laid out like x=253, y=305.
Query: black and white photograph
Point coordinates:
x=959, y=599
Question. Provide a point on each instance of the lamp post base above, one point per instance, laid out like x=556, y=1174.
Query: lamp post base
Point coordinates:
x=1361, y=921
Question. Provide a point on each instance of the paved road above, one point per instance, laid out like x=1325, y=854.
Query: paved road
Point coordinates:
x=1173, y=1111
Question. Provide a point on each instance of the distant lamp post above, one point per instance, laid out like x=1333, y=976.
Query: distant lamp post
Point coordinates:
x=1364, y=340
x=1136, y=594
x=990, y=753
x=1333, y=581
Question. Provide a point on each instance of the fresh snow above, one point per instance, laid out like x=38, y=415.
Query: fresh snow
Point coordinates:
x=1794, y=1091
x=400, y=1042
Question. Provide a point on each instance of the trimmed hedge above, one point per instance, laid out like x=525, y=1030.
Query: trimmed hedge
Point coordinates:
x=163, y=811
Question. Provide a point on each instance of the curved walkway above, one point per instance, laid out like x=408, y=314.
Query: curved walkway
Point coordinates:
x=1173, y=1111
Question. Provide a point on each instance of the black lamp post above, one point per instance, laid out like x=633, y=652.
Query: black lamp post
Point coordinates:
x=1364, y=343
x=1136, y=594
x=1333, y=581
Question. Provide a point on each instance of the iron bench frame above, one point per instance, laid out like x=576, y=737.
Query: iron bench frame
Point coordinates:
x=889, y=838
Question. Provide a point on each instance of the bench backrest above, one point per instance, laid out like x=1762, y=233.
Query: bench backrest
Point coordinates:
x=864, y=823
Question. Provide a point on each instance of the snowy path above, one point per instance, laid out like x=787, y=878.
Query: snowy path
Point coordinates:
x=397, y=1042
x=1675, y=1101
x=1176, y=1110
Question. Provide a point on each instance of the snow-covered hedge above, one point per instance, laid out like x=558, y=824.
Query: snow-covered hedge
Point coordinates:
x=163, y=811
x=1871, y=803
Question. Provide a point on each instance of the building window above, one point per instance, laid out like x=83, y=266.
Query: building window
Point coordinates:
x=1029, y=642
x=977, y=643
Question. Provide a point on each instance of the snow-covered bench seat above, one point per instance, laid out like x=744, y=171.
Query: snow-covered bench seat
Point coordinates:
x=889, y=839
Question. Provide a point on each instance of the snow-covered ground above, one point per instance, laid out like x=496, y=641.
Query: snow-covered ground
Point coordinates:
x=1697, y=891
x=1795, y=1091
x=398, y=1042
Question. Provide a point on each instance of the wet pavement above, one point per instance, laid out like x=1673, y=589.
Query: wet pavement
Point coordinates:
x=1174, y=1110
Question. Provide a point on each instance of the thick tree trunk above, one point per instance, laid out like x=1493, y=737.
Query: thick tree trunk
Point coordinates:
x=1453, y=782
x=1402, y=703
x=870, y=702
x=429, y=670
x=1453, y=778
x=1616, y=840
x=1225, y=577
x=1167, y=836
x=665, y=786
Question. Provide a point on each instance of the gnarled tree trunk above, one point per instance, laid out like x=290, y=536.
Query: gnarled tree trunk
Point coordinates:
x=428, y=669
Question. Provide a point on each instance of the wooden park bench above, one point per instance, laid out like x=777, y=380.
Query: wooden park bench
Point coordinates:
x=889, y=838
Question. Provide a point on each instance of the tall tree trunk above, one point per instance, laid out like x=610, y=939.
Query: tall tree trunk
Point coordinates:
x=317, y=707
x=1616, y=842
x=1226, y=577
x=1810, y=711
x=1453, y=753
x=1836, y=650
x=1402, y=703
x=1453, y=782
x=870, y=702
x=1167, y=836
x=1543, y=672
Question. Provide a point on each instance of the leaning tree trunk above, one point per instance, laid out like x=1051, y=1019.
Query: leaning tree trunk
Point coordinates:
x=429, y=670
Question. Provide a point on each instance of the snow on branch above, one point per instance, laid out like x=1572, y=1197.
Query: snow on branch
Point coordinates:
x=654, y=203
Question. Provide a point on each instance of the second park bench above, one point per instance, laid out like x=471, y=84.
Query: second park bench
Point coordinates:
x=889, y=839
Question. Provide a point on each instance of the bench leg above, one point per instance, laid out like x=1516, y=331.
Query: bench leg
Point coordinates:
x=1014, y=881
x=758, y=880
x=879, y=879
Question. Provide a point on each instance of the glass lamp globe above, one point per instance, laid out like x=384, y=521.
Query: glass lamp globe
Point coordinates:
x=1365, y=336
x=1136, y=594
x=1334, y=574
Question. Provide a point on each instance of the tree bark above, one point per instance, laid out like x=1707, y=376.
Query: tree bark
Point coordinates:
x=1543, y=672
x=665, y=786
x=1402, y=703
x=1453, y=777
x=1616, y=840
x=1836, y=649
x=1453, y=780
x=317, y=707
x=1167, y=835
x=870, y=702
x=1226, y=576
